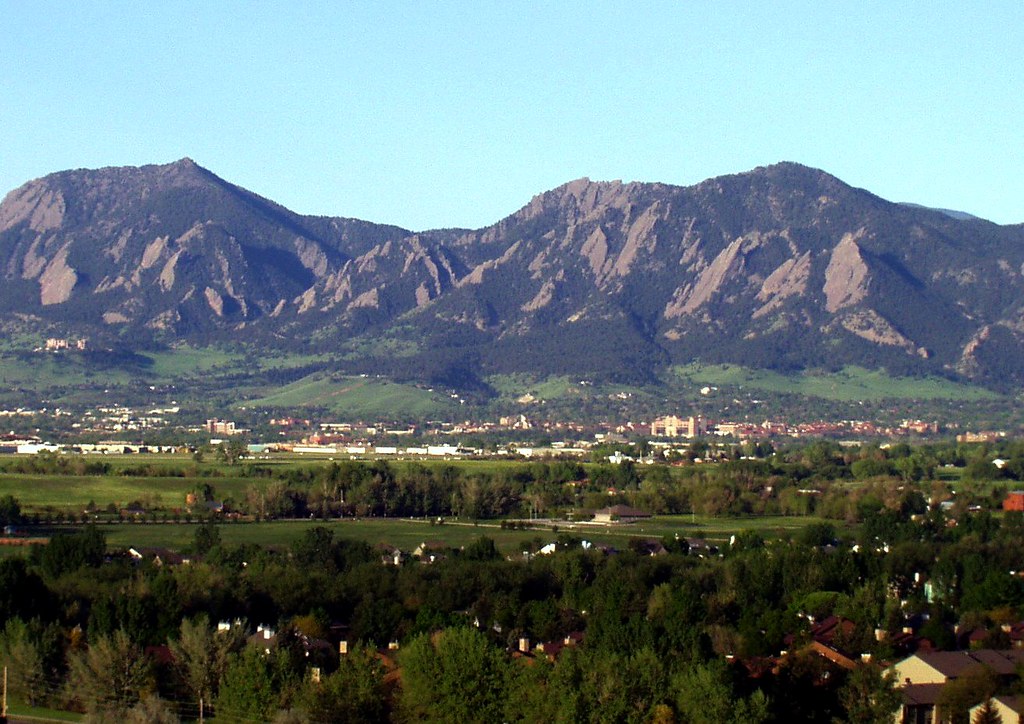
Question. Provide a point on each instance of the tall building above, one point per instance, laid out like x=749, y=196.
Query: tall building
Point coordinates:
x=672, y=426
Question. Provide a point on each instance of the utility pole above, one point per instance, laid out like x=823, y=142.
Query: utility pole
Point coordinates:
x=3, y=701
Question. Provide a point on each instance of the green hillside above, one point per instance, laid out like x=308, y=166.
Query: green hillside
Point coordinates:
x=849, y=385
x=363, y=397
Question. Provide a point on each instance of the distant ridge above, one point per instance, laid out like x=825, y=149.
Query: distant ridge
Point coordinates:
x=961, y=215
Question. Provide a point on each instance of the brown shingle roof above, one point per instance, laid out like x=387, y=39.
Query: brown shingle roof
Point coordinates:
x=952, y=664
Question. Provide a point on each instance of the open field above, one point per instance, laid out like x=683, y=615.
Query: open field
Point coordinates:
x=71, y=494
x=48, y=372
x=187, y=361
x=364, y=397
x=850, y=384
x=407, y=533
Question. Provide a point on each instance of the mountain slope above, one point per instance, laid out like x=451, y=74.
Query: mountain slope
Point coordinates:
x=171, y=248
x=781, y=267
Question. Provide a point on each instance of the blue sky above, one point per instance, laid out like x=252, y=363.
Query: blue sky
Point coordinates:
x=428, y=114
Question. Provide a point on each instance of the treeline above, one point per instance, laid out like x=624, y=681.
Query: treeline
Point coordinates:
x=755, y=479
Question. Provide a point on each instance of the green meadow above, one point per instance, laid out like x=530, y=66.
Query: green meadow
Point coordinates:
x=406, y=533
x=365, y=397
x=848, y=385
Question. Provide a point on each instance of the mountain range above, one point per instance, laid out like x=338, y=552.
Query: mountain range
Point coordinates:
x=783, y=267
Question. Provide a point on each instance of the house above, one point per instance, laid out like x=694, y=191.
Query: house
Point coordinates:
x=430, y=551
x=922, y=676
x=390, y=555
x=620, y=514
x=648, y=547
x=159, y=556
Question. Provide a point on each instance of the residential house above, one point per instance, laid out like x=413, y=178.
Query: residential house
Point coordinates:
x=158, y=556
x=390, y=555
x=430, y=551
x=922, y=676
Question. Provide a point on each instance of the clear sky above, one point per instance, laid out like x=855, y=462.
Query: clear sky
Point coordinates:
x=428, y=114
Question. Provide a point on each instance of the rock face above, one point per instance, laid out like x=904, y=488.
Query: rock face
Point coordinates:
x=171, y=248
x=783, y=266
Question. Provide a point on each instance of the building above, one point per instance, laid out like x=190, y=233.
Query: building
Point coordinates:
x=984, y=436
x=620, y=514
x=922, y=676
x=1014, y=500
x=220, y=427
x=672, y=426
x=55, y=344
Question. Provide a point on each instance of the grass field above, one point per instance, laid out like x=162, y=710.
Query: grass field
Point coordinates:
x=850, y=384
x=364, y=397
x=187, y=361
x=407, y=533
x=48, y=371
x=17, y=711
x=72, y=494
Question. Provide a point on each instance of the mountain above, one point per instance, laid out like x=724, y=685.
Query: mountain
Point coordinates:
x=782, y=267
x=948, y=212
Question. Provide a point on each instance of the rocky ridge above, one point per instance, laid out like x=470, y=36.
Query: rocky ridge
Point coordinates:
x=783, y=266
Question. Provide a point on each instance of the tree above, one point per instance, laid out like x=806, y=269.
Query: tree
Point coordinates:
x=231, y=451
x=974, y=686
x=987, y=714
x=704, y=694
x=207, y=537
x=869, y=697
x=315, y=549
x=454, y=675
x=68, y=552
x=24, y=662
x=482, y=549
x=10, y=510
x=110, y=676
x=22, y=592
x=201, y=492
x=354, y=693
x=201, y=655
x=247, y=688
